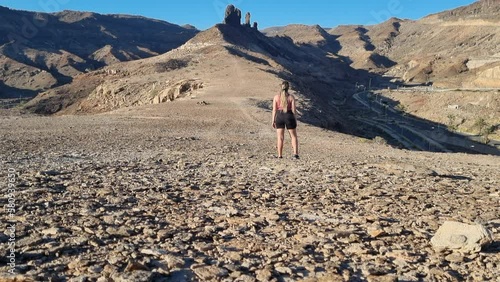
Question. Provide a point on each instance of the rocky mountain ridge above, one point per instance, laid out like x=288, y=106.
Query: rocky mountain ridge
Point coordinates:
x=40, y=51
x=151, y=80
x=424, y=51
x=456, y=48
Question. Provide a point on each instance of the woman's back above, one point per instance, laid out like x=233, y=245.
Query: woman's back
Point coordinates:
x=277, y=101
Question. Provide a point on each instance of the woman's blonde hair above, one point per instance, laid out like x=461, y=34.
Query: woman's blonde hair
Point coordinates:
x=284, y=96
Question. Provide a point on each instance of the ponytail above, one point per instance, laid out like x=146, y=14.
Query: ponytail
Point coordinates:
x=284, y=96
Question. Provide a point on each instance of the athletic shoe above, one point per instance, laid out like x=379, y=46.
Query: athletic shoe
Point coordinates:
x=295, y=157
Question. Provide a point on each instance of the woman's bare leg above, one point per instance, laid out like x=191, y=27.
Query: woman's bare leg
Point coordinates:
x=295, y=141
x=280, y=134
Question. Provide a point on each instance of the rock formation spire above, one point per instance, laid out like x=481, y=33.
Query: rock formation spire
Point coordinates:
x=232, y=16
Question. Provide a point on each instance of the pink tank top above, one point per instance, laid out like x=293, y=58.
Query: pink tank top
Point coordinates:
x=278, y=104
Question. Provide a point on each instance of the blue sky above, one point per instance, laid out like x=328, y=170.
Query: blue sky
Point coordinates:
x=205, y=13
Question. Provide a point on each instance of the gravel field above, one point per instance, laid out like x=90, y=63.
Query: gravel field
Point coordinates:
x=147, y=194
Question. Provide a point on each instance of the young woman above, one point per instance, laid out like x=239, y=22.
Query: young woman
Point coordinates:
x=284, y=116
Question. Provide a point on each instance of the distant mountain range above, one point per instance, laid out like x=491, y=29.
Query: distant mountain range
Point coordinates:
x=460, y=47
x=39, y=51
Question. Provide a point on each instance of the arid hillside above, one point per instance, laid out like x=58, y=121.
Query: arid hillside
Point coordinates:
x=39, y=51
x=471, y=112
x=456, y=53
x=456, y=48
x=212, y=62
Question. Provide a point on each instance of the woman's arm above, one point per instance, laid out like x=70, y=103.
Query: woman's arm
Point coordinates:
x=294, y=107
x=273, y=120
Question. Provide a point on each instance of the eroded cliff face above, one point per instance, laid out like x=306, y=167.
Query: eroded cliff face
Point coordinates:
x=114, y=95
x=490, y=77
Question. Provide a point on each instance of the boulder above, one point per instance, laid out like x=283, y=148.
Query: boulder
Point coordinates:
x=233, y=16
x=461, y=237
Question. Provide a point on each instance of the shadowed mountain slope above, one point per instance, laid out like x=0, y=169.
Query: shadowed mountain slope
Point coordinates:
x=39, y=51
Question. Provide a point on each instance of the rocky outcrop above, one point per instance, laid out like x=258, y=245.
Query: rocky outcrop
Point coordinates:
x=247, y=19
x=232, y=16
x=110, y=95
x=488, y=77
x=178, y=90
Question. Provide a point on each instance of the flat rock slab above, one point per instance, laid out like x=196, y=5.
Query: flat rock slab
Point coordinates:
x=461, y=237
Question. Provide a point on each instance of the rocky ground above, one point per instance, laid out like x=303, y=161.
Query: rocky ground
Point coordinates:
x=165, y=193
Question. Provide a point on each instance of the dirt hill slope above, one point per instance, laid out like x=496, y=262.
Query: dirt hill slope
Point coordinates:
x=208, y=65
x=459, y=46
x=39, y=51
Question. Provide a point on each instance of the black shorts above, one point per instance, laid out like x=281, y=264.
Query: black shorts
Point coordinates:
x=286, y=120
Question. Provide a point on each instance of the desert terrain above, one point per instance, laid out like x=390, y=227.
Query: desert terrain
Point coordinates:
x=164, y=169
x=191, y=191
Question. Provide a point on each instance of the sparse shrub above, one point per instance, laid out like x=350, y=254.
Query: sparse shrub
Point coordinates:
x=21, y=103
x=402, y=108
x=330, y=124
x=172, y=64
x=487, y=131
x=485, y=139
x=379, y=140
x=480, y=124
x=451, y=123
